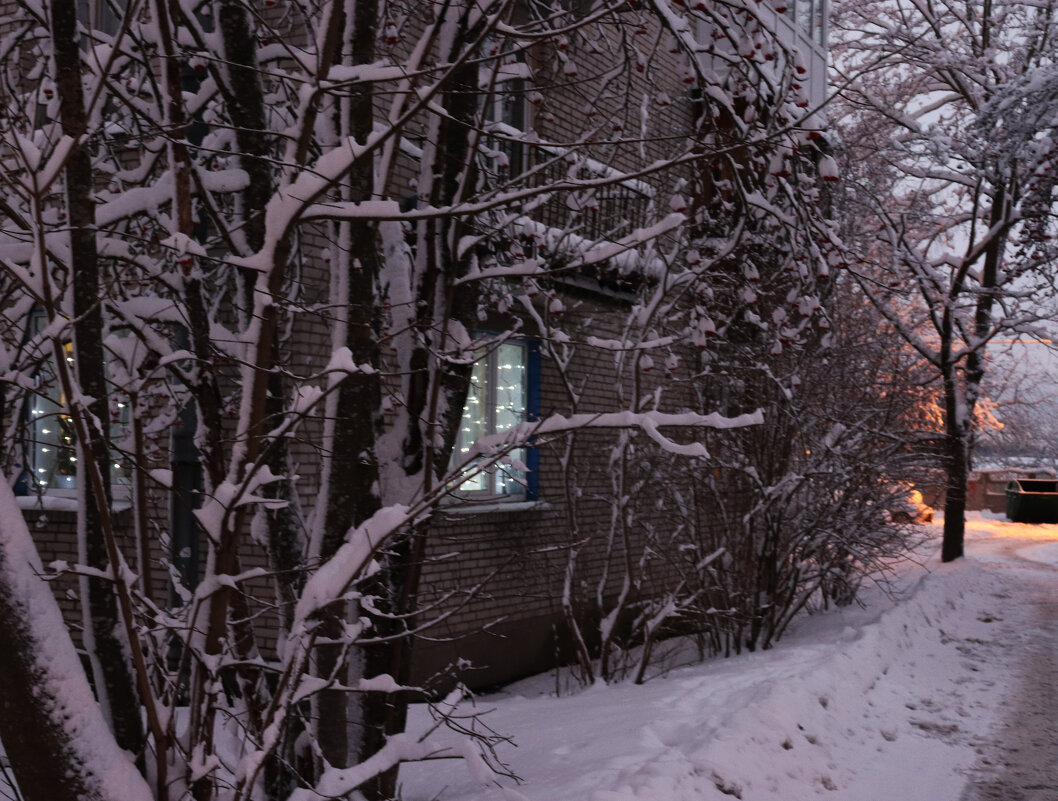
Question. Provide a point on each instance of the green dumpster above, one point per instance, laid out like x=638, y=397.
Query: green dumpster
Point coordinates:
x=1033, y=500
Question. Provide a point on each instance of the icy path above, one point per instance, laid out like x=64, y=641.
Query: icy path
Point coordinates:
x=943, y=695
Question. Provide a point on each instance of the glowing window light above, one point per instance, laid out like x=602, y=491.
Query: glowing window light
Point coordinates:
x=496, y=402
x=53, y=462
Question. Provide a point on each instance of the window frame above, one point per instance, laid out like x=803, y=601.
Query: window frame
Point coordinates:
x=45, y=406
x=528, y=483
x=100, y=15
x=46, y=403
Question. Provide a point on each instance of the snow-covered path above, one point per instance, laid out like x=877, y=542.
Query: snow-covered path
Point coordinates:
x=944, y=689
x=1021, y=761
x=943, y=694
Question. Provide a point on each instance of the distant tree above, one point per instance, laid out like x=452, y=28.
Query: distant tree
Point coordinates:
x=1021, y=384
x=949, y=162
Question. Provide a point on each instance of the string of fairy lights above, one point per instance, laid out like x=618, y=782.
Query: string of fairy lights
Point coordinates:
x=495, y=403
x=53, y=442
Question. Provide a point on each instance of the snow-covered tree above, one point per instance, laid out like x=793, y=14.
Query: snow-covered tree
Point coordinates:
x=1021, y=384
x=288, y=232
x=948, y=145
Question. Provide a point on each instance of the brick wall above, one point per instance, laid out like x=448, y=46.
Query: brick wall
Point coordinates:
x=493, y=581
x=492, y=584
x=53, y=526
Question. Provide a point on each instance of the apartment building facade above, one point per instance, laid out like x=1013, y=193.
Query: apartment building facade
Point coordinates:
x=585, y=137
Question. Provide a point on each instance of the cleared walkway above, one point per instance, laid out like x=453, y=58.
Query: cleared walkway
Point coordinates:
x=1020, y=761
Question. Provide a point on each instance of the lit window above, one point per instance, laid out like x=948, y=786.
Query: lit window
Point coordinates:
x=52, y=453
x=498, y=400
x=51, y=443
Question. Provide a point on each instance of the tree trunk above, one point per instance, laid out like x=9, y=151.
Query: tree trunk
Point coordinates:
x=353, y=488
x=114, y=681
x=435, y=394
x=51, y=728
x=956, y=458
x=958, y=471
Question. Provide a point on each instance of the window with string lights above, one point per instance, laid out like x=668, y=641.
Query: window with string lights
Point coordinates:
x=49, y=443
x=504, y=392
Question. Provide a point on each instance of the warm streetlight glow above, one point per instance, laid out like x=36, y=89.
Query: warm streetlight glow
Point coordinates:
x=1004, y=529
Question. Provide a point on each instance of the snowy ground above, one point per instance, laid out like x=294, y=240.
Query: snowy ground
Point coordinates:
x=945, y=694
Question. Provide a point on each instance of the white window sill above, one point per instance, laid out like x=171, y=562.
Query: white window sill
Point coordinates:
x=468, y=506
x=58, y=503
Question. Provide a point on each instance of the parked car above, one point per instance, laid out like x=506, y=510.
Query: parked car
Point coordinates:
x=908, y=506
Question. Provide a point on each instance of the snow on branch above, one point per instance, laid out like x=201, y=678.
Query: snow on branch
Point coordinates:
x=649, y=422
x=333, y=578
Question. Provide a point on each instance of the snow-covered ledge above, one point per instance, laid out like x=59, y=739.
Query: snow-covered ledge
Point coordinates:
x=468, y=507
x=57, y=503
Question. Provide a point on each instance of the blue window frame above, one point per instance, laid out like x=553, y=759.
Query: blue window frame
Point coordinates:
x=504, y=391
